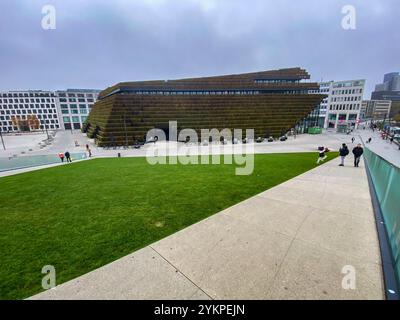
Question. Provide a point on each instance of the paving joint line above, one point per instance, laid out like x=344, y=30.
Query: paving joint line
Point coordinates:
x=181, y=273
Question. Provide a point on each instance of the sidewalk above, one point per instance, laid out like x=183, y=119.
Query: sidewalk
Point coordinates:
x=289, y=242
x=383, y=148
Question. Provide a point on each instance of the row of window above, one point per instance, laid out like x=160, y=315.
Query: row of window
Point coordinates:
x=10, y=123
x=154, y=92
x=274, y=81
x=73, y=108
x=31, y=100
x=65, y=106
x=76, y=100
x=319, y=91
x=39, y=116
x=352, y=98
x=42, y=94
x=11, y=128
x=34, y=111
x=342, y=116
x=26, y=106
x=225, y=92
x=73, y=95
x=347, y=91
x=30, y=94
x=74, y=119
x=345, y=107
x=74, y=111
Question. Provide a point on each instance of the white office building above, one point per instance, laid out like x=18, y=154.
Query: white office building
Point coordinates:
x=36, y=110
x=326, y=89
x=74, y=106
x=28, y=111
x=344, y=104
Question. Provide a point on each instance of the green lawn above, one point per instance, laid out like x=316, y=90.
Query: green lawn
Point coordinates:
x=81, y=216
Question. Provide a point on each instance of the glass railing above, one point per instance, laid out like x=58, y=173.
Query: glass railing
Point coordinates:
x=386, y=179
x=20, y=162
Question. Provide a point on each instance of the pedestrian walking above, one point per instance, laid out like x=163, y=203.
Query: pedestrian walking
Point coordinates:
x=357, y=151
x=321, y=154
x=68, y=156
x=61, y=156
x=352, y=140
x=391, y=140
x=89, y=151
x=343, y=152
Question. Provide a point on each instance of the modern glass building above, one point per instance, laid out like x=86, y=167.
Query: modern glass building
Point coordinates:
x=270, y=102
x=74, y=106
x=389, y=90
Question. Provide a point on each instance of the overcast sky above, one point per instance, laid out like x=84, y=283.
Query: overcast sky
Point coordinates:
x=97, y=43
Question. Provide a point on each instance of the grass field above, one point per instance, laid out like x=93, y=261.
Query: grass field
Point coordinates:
x=81, y=216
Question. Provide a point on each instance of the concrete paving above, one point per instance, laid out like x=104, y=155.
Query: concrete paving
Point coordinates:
x=20, y=145
x=289, y=242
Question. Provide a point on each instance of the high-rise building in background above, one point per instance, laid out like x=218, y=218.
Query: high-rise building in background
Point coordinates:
x=375, y=109
x=389, y=90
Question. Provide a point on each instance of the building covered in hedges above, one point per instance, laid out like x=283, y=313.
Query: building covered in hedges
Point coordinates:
x=270, y=102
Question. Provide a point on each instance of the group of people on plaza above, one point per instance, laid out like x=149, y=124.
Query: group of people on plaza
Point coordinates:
x=357, y=152
x=67, y=155
x=343, y=152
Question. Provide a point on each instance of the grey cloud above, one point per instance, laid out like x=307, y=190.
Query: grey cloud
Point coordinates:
x=99, y=43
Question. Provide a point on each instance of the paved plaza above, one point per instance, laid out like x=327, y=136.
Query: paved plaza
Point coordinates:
x=28, y=144
x=65, y=141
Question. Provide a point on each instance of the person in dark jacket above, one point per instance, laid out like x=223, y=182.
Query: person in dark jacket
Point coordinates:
x=321, y=154
x=343, y=151
x=68, y=156
x=357, y=151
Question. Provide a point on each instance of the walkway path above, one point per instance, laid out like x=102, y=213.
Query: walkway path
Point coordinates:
x=289, y=242
x=387, y=150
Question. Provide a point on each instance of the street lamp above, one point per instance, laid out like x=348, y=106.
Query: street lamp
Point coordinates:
x=2, y=141
x=384, y=120
x=45, y=127
x=126, y=132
